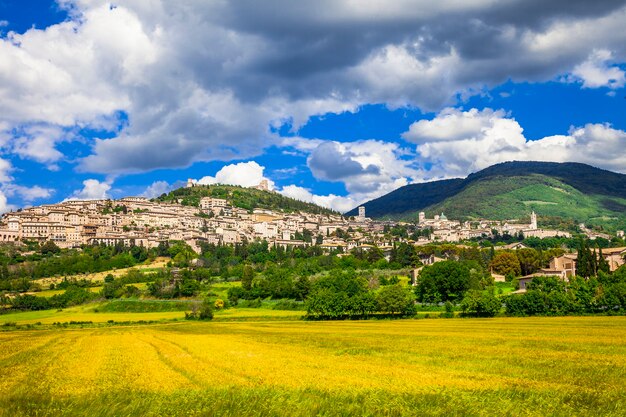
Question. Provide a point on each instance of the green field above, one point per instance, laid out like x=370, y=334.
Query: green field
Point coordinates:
x=572, y=366
x=135, y=310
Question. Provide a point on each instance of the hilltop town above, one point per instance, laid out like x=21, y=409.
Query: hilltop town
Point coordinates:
x=144, y=222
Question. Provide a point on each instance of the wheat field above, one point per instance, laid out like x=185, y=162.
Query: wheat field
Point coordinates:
x=519, y=367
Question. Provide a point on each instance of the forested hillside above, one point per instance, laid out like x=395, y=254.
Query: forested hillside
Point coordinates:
x=245, y=198
x=511, y=190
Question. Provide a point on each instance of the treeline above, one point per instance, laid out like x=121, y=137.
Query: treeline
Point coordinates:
x=551, y=296
x=228, y=261
x=344, y=294
x=72, y=296
x=89, y=259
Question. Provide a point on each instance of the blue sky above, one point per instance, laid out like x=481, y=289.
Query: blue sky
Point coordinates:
x=333, y=103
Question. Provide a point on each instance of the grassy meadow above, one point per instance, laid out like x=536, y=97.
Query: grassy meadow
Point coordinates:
x=568, y=366
x=141, y=310
x=147, y=267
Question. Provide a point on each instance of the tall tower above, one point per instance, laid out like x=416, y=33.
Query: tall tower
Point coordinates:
x=422, y=217
x=361, y=213
x=190, y=183
x=533, y=221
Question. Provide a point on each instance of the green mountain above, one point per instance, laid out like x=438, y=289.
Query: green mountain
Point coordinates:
x=511, y=190
x=245, y=198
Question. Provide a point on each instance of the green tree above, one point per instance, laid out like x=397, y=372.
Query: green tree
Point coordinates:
x=480, y=303
x=396, y=299
x=247, y=277
x=603, y=265
x=49, y=248
x=529, y=260
x=206, y=310
x=302, y=288
x=506, y=263
x=443, y=281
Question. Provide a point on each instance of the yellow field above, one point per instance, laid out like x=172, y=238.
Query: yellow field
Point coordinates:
x=531, y=366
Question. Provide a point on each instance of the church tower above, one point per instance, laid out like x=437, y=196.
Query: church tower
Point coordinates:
x=533, y=221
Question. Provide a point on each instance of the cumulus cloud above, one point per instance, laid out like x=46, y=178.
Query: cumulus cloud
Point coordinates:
x=245, y=174
x=364, y=166
x=4, y=205
x=487, y=137
x=333, y=161
x=156, y=189
x=332, y=201
x=596, y=71
x=367, y=168
x=5, y=170
x=37, y=142
x=28, y=194
x=212, y=93
x=92, y=190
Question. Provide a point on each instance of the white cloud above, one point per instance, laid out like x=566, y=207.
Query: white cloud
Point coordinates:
x=204, y=81
x=245, y=174
x=596, y=71
x=92, y=190
x=28, y=194
x=5, y=169
x=38, y=142
x=364, y=166
x=367, y=168
x=156, y=189
x=4, y=205
x=332, y=201
x=496, y=137
x=452, y=124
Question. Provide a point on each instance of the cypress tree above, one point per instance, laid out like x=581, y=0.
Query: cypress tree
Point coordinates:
x=594, y=263
x=603, y=265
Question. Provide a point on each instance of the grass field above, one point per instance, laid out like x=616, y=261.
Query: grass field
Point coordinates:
x=145, y=310
x=573, y=366
x=148, y=267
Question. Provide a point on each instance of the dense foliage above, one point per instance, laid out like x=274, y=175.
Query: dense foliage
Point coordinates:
x=72, y=296
x=89, y=259
x=245, y=198
x=345, y=294
x=551, y=296
x=448, y=281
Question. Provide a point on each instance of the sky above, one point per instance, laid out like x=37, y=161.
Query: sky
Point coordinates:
x=335, y=102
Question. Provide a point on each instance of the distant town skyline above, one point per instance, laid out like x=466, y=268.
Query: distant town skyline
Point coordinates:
x=333, y=102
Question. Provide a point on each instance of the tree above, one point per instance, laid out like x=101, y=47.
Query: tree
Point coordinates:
x=506, y=263
x=480, y=303
x=529, y=260
x=342, y=293
x=443, y=281
x=206, y=310
x=302, y=288
x=49, y=248
x=405, y=255
x=396, y=299
x=603, y=265
x=584, y=261
x=247, y=276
